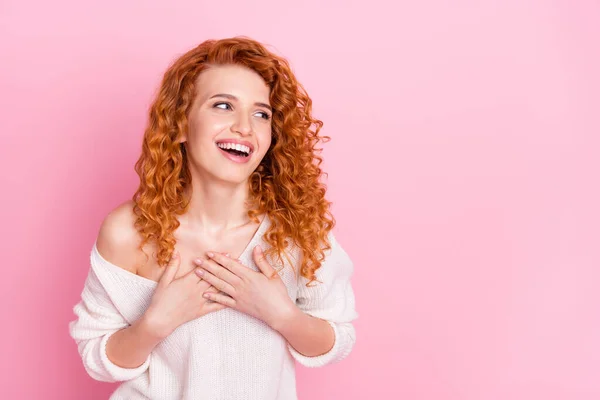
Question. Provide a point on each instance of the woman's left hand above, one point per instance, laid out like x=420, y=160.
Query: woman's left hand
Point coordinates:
x=262, y=295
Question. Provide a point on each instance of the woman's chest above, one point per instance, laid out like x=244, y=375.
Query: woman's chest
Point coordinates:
x=192, y=246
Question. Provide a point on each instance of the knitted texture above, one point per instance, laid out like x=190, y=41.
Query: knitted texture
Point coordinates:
x=224, y=355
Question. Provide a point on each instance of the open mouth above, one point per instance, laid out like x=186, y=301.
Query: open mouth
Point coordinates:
x=238, y=150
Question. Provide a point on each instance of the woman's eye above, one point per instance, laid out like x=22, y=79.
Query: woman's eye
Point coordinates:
x=227, y=106
x=263, y=115
x=222, y=106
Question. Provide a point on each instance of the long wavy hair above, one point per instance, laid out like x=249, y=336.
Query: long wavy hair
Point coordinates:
x=286, y=186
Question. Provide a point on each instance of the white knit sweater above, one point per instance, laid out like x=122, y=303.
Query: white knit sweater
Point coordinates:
x=224, y=355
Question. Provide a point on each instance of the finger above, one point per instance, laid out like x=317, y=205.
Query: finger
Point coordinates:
x=199, y=262
x=262, y=263
x=191, y=278
x=170, y=270
x=233, y=266
x=220, y=298
x=214, y=306
x=218, y=270
x=216, y=282
x=210, y=288
x=202, y=284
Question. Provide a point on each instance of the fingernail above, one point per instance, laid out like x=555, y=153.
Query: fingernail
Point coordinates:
x=226, y=254
x=198, y=261
x=199, y=272
x=175, y=255
x=210, y=254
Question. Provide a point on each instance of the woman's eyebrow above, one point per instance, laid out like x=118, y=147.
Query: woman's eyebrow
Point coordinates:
x=232, y=97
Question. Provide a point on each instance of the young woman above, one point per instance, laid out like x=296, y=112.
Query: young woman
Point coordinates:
x=223, y=269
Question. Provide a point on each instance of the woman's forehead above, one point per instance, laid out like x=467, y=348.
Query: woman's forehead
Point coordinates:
x=238, y=81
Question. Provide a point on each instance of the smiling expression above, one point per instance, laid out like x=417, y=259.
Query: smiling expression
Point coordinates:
x=229, y=124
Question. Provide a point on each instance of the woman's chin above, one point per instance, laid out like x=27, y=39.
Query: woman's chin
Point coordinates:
x=232, y=179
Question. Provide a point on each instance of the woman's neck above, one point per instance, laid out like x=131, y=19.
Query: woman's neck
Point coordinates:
x=216, y=207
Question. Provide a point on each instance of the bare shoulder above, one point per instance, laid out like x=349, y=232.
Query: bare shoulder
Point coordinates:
x=118, y=240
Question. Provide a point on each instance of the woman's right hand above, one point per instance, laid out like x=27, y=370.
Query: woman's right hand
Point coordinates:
x=177, y=301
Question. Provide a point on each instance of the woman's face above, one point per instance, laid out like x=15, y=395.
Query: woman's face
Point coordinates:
x=229, y=124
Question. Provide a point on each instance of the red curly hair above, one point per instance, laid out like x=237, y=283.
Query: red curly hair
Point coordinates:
x=285, y=186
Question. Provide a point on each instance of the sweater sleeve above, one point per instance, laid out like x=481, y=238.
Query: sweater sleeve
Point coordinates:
x=330, y=299
x=97, y=320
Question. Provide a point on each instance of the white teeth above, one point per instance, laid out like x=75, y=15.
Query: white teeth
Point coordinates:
x=235, y=146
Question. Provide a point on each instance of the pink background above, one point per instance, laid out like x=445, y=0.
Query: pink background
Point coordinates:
x=463, y=166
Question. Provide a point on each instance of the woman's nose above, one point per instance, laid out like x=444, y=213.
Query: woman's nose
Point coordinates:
x=242, y=125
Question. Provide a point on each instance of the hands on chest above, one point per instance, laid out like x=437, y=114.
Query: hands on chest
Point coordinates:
x=216, y=283
x=261, y=294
